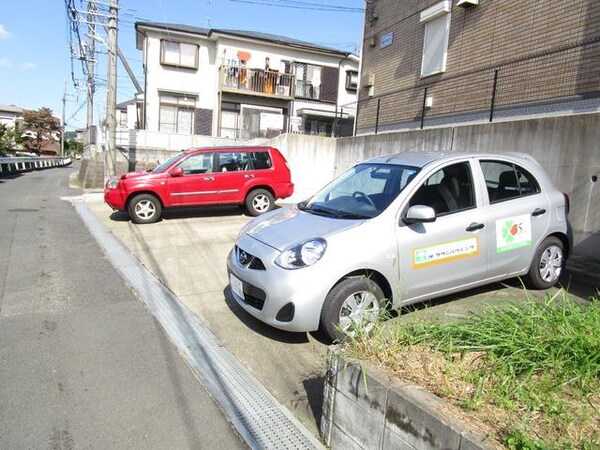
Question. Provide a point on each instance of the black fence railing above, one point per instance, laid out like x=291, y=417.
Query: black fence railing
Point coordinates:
x=562, y=80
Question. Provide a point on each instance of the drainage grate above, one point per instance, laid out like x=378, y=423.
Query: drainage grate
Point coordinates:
x=259, y=418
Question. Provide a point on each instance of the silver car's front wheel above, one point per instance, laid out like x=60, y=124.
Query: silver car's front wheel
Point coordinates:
x=547, y=264
x=361, y=308
x=353, y=304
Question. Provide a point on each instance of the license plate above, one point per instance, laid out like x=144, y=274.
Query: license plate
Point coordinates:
x=236, y=286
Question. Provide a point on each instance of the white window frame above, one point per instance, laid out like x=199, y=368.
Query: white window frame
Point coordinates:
x=181, y=105
x=436, y=18
x=352, y=80
x=123, y=119
x=178, y=59
x=308, y=76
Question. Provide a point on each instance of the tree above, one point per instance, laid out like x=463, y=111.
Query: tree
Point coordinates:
x=40, y=126
x=73, y=147
x=9, y=138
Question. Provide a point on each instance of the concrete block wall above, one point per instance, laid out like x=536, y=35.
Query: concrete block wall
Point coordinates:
x=568, y=147
x=365, y=409
x=311, y=159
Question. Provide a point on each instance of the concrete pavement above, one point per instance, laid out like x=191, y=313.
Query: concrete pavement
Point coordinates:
x=187, y=251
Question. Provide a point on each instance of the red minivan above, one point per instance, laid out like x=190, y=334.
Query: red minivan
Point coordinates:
x=251, y=176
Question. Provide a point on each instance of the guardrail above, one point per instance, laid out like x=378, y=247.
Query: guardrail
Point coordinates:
x=25, y=164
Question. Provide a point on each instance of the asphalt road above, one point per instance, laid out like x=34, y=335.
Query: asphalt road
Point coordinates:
x=82, y=363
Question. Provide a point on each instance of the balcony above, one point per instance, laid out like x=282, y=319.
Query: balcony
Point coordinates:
x=258, y=82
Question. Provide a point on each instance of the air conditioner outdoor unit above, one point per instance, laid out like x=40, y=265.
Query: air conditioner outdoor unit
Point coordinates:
x=283, y=90
x=367, y=80
x=467, y=3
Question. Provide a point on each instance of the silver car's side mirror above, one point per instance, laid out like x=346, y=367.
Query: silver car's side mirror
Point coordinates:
x=419, y=214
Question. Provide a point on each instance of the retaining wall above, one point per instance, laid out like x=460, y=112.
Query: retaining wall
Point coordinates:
x=568, y=147
x=364, y=409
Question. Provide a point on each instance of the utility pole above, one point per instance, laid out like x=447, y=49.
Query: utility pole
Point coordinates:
x=64, y=125
x=91, y=88
x=111, y=97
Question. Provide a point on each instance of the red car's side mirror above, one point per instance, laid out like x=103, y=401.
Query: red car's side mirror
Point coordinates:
x=177, y=172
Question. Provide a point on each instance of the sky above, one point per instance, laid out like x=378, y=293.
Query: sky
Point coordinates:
x=36, y=68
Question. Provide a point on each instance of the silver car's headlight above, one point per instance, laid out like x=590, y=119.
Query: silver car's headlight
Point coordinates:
x=302, y=255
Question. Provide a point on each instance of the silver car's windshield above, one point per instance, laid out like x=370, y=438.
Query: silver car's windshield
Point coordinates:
x=167, y=163
x=362, y=192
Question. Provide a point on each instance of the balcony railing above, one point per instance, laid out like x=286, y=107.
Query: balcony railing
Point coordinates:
x=264, y=83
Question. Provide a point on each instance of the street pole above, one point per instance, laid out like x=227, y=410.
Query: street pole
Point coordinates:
x=111, y=97
x=62, y=134
x=90, y=67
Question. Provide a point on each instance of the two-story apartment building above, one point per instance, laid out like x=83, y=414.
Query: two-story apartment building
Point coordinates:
x=11, y=115
x=437, y=62
x=242, y=85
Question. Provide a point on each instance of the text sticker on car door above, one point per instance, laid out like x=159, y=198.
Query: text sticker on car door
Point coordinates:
x=513, y=233
x=445, y=252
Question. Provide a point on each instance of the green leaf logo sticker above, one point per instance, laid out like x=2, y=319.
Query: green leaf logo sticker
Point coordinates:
x=513, y=233
x=507, y=231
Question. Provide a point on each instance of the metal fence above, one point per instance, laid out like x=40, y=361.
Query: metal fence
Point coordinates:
x=557, y=81
x=26, y=164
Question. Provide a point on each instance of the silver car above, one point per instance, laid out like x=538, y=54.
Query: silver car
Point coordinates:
x=400, y=229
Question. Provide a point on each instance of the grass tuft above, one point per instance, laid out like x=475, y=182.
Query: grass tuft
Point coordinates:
x=532, y=368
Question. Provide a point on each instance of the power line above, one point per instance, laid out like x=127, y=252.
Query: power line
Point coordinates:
x=301, y=5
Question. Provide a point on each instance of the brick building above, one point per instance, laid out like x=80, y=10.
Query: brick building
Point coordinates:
x=431, y=62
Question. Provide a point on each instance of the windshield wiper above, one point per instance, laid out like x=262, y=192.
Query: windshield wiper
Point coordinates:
x=320, y=211
x=332, y=213
x=347, y=215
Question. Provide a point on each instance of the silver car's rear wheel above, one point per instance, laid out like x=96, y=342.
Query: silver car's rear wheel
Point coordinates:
x=547, y=264
x=353, y=304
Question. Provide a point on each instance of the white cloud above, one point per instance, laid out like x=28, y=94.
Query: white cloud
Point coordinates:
x=29, y=66
x=5, y=62
x=3, y=33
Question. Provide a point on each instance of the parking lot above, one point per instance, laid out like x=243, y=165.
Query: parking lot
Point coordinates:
x=187, y=251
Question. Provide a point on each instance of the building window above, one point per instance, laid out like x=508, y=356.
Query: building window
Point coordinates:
x=308, y=81
x=435, y=43
x=176, y=114
x=351, y=80
x=179, y=54
x=230, y=118
x=123, y=119
x=318, y=126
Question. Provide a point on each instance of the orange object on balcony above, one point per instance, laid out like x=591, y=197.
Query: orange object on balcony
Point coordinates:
x=243, y=56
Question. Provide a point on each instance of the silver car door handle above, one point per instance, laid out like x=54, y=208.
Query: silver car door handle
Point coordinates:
x=248, y=175
x=475, y=226
x=538, y=212
x=209, y=179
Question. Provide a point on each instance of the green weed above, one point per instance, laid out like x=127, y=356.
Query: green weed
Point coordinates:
x=537, y=362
